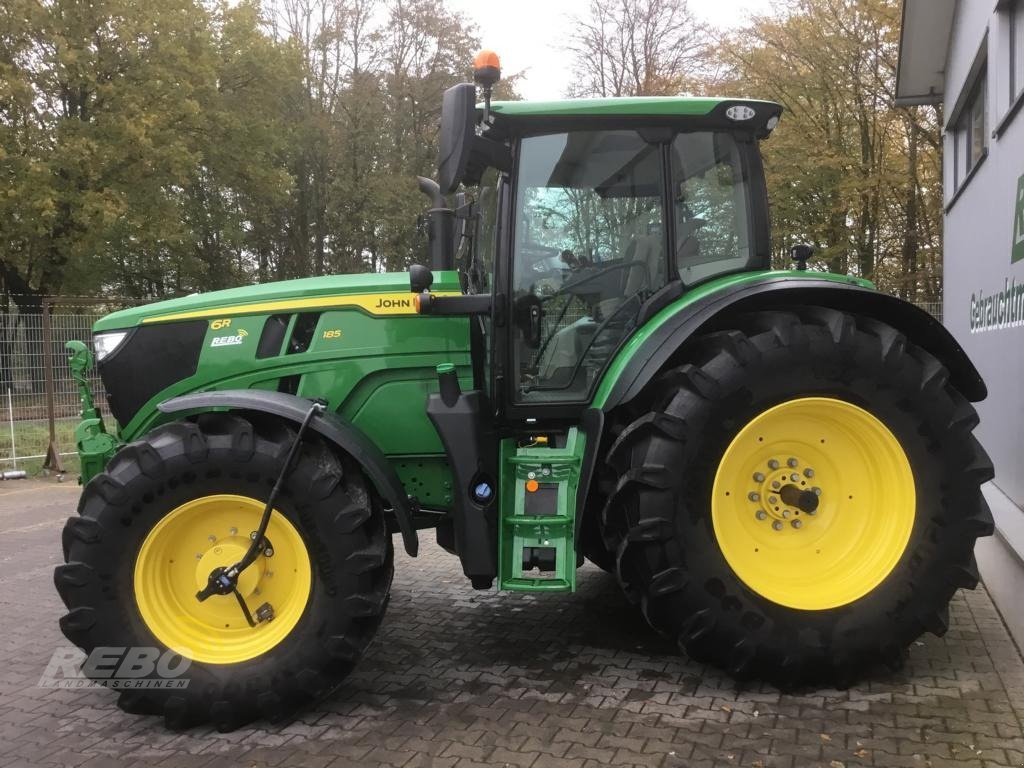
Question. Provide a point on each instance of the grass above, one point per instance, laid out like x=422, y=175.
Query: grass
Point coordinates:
x=31, y=438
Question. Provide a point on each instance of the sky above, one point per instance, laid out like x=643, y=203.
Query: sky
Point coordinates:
x=529, y=35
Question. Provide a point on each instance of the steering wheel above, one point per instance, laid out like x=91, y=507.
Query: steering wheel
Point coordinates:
x=537, y=260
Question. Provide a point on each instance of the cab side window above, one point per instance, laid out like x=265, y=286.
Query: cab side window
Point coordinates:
x=710, y=186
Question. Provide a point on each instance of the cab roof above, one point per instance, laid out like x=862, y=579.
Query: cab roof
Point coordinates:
x=671, y=112
x=631, y=106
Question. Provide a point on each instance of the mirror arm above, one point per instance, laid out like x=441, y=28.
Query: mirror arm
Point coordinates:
x=441, y=226
x=431, y=189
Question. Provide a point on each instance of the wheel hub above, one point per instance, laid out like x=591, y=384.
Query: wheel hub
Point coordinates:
x=225, y=552
x=195, y=539
x=813, y=503
x=782, y=492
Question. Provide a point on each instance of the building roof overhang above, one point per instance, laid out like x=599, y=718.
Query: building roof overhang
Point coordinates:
x=924, y=47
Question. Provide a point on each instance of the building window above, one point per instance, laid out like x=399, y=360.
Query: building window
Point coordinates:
x=1016, y=49
x=970, y=137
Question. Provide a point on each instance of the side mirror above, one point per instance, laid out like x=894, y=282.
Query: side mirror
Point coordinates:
x=458, y=129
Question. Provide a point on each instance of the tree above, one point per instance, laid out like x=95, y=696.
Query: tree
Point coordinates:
x=848, y=172
x=638, y=48
x=373, y=77
x=140, y=140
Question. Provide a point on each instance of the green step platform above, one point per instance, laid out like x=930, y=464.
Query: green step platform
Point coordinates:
x=539, y=518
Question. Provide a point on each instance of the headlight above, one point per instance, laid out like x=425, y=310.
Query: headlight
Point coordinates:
x=106, y=343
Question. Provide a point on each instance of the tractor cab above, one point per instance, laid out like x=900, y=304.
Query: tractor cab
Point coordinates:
x=588, y=216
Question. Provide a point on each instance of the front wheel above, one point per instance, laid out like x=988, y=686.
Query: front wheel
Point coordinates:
x=802, y=500
x=184, y=501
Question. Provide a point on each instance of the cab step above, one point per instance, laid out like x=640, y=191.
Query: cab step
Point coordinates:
x=538, y=519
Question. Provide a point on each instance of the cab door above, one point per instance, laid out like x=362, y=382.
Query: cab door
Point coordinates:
x=588, y=248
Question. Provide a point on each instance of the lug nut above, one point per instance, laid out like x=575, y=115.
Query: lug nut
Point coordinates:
x=785, y=513
x=233, y=531
x=816, y=490
x=211, y=538
x=761, y=514
x=758, y=477
x=792, y=462
x=773, y=464
x=268, y=552
x=794, y=477
x=199, y=555
x=754, y=496
x=253, y=535
x=772, y=499
x=776, y=484
x=796, y=523
x=777, y=525
x=808, y=472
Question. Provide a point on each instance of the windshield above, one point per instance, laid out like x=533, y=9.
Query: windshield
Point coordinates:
x=589, y=249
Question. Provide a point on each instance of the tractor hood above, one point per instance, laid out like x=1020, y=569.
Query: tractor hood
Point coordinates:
x=309, y=293
x=316, y=337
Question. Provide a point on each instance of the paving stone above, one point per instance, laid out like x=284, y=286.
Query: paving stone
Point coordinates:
x=460, y=679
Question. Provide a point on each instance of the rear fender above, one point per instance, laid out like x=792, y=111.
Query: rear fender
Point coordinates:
x=650, y=350
x=328, y=425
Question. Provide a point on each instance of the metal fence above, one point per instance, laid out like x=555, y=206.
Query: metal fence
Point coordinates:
x=934, y=308
x=38, y=398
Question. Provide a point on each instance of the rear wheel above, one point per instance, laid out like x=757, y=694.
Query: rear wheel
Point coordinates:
x=183, y=501
x=802, y=500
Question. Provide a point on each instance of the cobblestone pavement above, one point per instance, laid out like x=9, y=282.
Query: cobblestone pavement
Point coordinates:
x=461, y=678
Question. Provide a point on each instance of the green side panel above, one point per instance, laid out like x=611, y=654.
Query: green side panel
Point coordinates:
x=391, y=404
x=722, y=284
x=545, y=519
x=627, y=107
x=304, y=289
x=428, y=478
x=374, y=371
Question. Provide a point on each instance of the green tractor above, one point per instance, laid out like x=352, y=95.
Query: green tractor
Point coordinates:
x=777, y=466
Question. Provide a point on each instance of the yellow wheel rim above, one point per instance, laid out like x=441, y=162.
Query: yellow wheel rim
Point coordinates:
x=175, y=562
x=813, y=503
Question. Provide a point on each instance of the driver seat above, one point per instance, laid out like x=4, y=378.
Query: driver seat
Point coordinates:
x=644, y=271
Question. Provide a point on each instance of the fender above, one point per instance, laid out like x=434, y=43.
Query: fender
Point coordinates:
x=329, y=426
x=650, y=349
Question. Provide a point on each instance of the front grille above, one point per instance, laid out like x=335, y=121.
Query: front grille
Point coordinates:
x=151, y=359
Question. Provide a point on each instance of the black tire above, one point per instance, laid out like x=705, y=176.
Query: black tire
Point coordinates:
x=327, y=500
x=658, y=519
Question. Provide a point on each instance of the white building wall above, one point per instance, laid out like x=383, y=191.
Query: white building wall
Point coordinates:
x=978, y=243
x=979, y=234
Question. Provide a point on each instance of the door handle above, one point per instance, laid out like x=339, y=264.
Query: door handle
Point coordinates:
x=534, y=326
